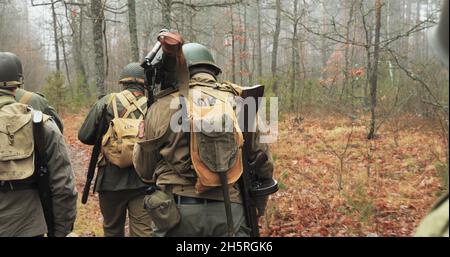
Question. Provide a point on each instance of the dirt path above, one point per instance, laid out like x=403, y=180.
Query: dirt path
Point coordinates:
x=89, y=218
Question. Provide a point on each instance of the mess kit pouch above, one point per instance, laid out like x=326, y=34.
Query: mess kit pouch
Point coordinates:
x=162, y=209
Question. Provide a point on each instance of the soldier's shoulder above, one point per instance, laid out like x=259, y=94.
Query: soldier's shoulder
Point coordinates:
x=165, y=97
x=231, y=88
x=37, y=95
x=106, y=99
x=33, y=95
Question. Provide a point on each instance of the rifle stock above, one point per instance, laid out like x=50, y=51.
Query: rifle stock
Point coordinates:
x=94, y=157
x=245, y=182
x=251, y=188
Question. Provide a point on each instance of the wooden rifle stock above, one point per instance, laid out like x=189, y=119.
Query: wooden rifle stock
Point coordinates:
x=94, y=157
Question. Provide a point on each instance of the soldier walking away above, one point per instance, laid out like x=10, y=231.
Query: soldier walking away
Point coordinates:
x=436, y=224
x=196, y=174
x=119, y=187
x=37, y=185
x=35, y=100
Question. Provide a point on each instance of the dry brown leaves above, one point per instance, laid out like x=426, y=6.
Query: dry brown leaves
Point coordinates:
x=386, y=189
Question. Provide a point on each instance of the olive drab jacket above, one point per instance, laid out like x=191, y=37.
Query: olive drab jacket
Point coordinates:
x=38, y=102
x=110, y=177
x=21, y=213
x=164, y=156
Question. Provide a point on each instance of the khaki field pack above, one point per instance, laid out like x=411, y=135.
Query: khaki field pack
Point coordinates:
x=17, y=143
x=118, y=142
x=215, y=150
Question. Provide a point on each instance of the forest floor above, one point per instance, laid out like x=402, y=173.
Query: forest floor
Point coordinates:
x=333, y=181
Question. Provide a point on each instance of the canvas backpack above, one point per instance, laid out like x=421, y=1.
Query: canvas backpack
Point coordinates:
x=17, y=144
x=118, y=142
x=214, y=151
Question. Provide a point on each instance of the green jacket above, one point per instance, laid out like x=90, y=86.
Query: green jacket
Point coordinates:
x=110, y=177
x=38, y=102
x=21, y=213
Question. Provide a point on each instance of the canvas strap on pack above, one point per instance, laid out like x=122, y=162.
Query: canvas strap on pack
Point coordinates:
x=227, y=202
x=130, y=105
x=25, y=99
x=43, y=176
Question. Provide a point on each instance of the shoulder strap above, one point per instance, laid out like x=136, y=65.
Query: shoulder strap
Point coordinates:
x=112, y=101
x=131, y=104
x=26, y=97
x=133, y=100
x=129, y=96
x=213, y=93
x=142, y=102
x=126, y=105
x=114, y=107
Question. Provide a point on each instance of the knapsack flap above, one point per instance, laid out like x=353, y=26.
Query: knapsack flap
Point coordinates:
x=215, y=151
x=118, y=142
x=17, y=144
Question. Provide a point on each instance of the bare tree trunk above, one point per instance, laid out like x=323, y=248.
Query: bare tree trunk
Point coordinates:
x=77, y=44
x=133, y=30
x=241, y=47
x=245, y=47
x=259, y=40
x=66, y=65
x=192, y=37
x=55, y=35
x=348, y=47
x=276, y=38
x=374, y=76
x=418, y=51
x=166, y=6
x=323, y=40
x=98, y=19
x=408, y=21
x=233, y=47
x=148, y=27
x=294, y=54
